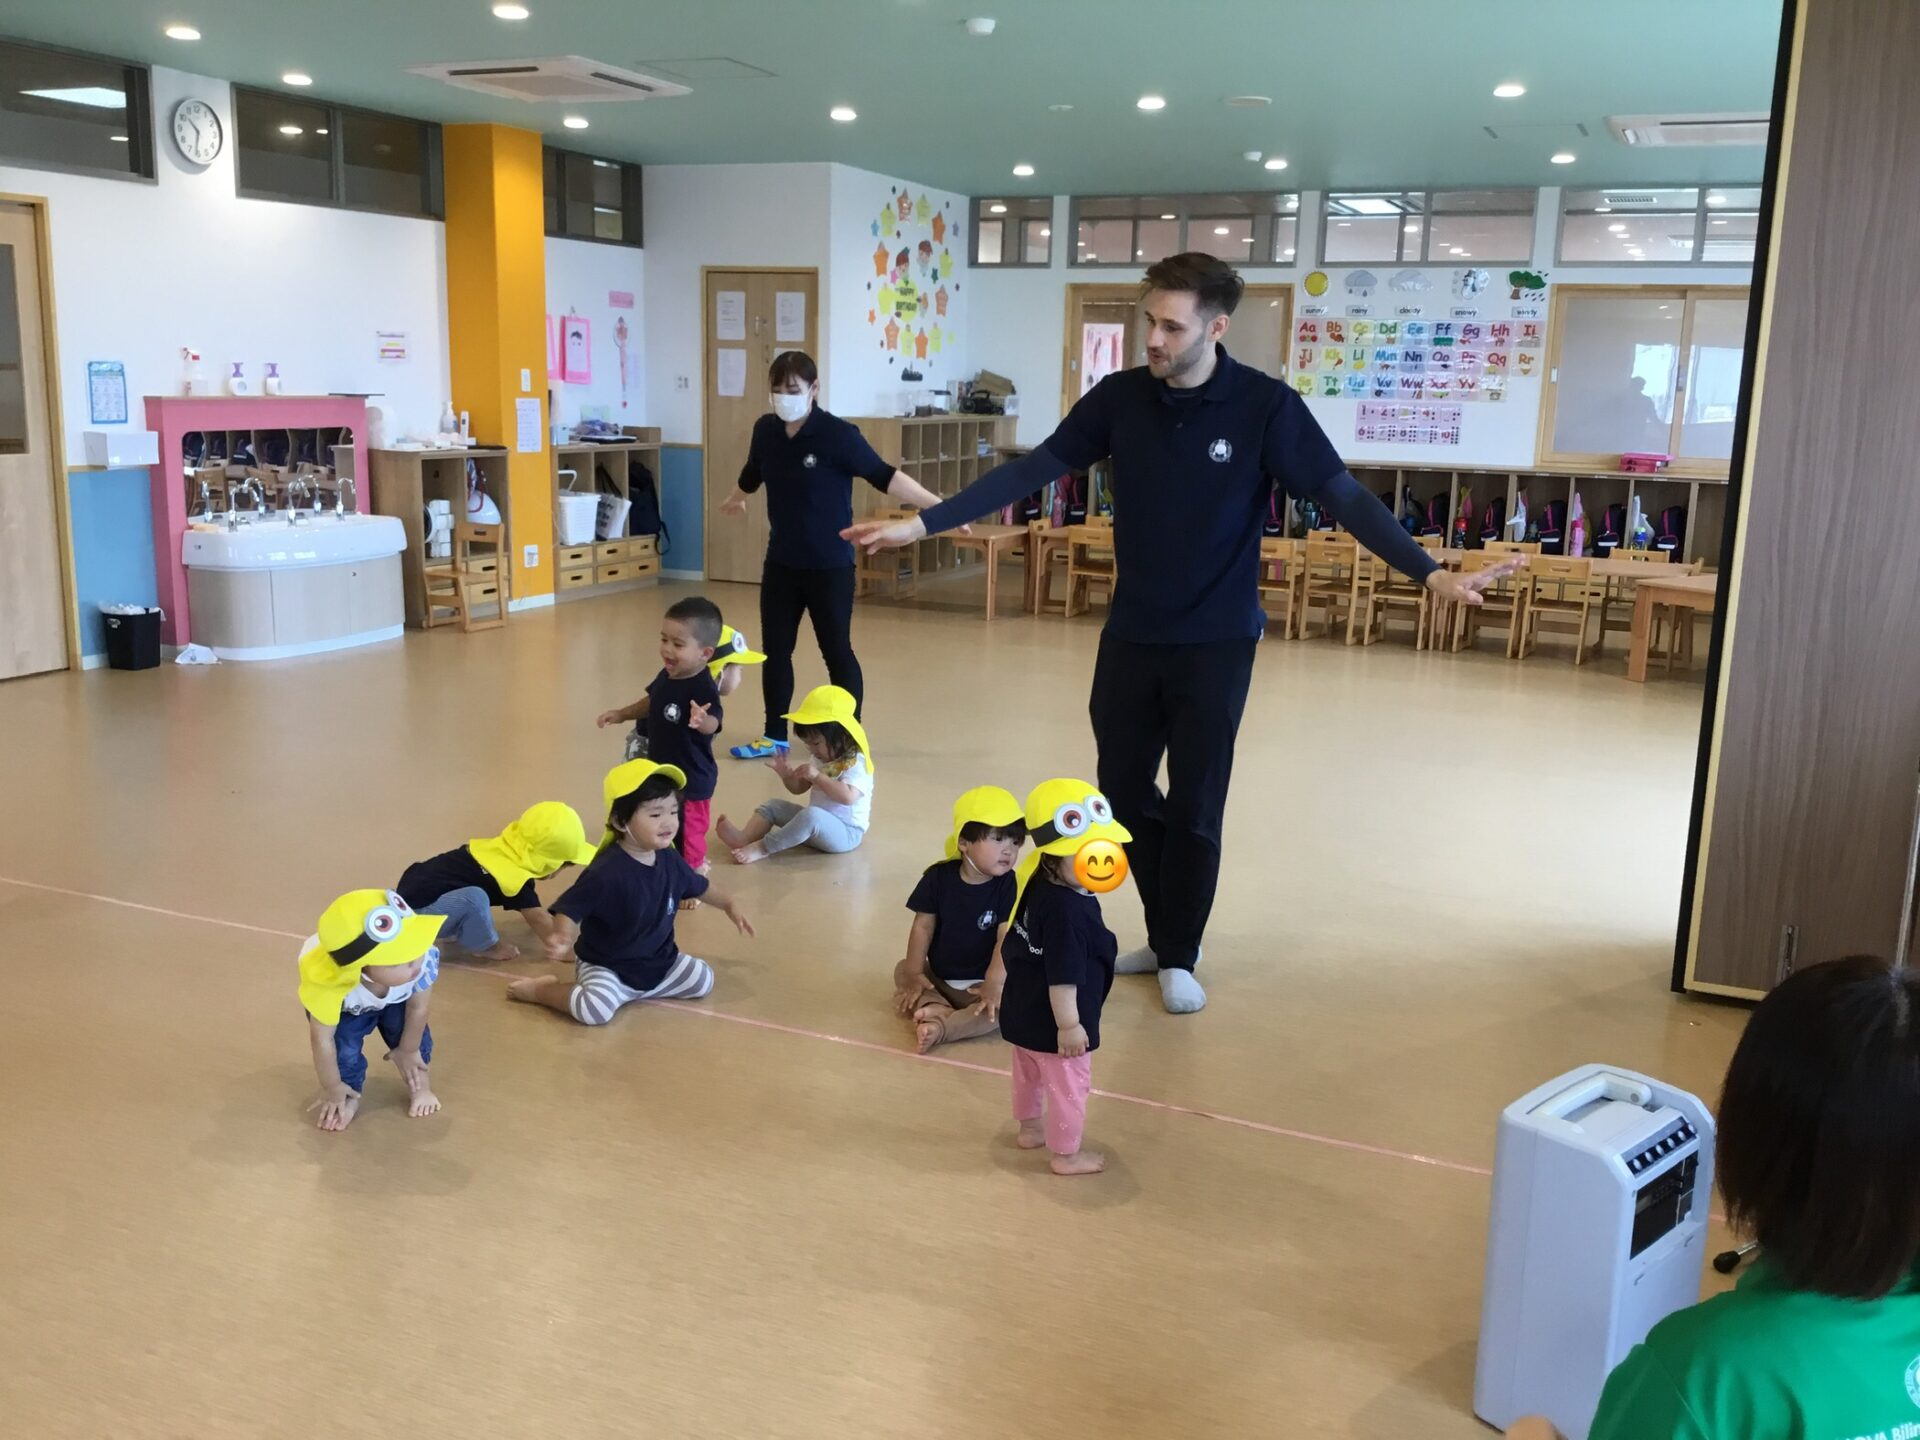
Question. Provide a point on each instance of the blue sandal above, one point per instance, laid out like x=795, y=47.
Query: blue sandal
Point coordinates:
x=761, y=749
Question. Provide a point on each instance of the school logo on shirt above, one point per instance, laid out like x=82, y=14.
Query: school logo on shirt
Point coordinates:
x=809, y=462
x=985, y=921
x=672, y=713
x=1220, y=452
x=1913, y=1381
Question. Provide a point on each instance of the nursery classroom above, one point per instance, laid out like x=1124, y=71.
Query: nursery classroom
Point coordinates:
x=530, y=489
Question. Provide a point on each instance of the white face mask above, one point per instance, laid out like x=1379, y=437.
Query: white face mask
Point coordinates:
x=792, y=408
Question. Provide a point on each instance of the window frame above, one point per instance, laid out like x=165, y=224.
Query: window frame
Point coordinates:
x=976, y=208
x=632, y=197
x=432, y=176
x=140, y=126
x=1702, y=213
x=1425, y=215
x=1190, y=208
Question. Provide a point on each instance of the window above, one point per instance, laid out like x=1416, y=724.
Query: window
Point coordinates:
x=1690, y=225
x=1013, y=232
x=1250, y=228
x=312, y=153
x=62, y=111
x=1386, y=227
x=589, y=198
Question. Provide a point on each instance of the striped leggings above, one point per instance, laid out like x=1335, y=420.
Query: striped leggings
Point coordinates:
x=598, y=992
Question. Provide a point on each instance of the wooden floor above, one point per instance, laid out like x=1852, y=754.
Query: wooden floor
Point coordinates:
x=1447, y=879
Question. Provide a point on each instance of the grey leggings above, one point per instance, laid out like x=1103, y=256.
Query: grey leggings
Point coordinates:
x=807, y=825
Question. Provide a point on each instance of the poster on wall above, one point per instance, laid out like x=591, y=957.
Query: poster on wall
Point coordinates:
x=107, y=392
x=790, y=317
x=1407, y=358
x=1100, y=353
x=390, y=346
x=730, y=315
x=576, y=350
x=912, y=301
x=620, y=334
x=731, y=382
x=1406, y=424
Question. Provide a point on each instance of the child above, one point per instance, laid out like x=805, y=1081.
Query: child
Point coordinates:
x=733, y=652
x=681, y=714
x=1056, y=966
x=961, y=908
x=617, y=919
x=370, y=964
x=839, y=775
x=467, y=884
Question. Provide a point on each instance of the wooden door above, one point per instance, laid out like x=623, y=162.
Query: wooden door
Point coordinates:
x=1105, y=329
x=1261, y=334
x=33, y=600
x=742, y=328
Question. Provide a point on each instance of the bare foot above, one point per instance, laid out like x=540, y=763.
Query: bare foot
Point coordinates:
x=1033, y=1134
x=1081, y=1162
x=729, y=833
x=499, y=950
x=526, y=989
x=930, y=1026
x=422, y=1102
x=749, y=854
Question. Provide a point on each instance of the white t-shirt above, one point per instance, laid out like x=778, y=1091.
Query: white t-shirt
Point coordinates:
x=858, y=776
x=360, y=999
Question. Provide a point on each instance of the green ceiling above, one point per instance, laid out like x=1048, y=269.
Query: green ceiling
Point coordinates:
x=1365, y=92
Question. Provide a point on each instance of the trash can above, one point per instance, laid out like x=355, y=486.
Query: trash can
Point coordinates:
x=133, y=636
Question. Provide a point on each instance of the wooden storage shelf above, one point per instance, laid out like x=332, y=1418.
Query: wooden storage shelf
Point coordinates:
x=405, y=480
x=945, y=453
x=584, y=568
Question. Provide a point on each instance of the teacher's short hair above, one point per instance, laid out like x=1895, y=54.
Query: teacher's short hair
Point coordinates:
x=792, y=365
x=1819, y=1132
x=1216, y=286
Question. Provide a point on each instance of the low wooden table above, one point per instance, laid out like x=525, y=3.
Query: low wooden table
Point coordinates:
x=1678, y=593
x=993, y=542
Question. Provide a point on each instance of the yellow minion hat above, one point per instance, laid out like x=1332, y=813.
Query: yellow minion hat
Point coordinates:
x=1063, y=815
x=982, y=805
x=826, y=703
x=544, y=838
x=733, y=649
x=361, y=928
x=627, y=778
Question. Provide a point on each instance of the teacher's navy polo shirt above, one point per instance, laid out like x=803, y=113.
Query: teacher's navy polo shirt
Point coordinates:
x=809, y=480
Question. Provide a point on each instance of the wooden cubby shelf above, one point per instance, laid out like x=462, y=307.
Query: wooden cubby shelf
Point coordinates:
x=591, y=567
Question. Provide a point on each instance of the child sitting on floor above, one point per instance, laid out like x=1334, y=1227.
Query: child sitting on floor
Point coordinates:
x=468, y=884
x=617, y=919
x=680, y=714
x=961, y=908
x=839, y=777
x=369, y=965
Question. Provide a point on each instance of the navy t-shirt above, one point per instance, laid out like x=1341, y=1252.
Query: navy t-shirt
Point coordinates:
x=809, y=480
x=966, y=918
x=625, y=912
x=671, y=738
x=1058, y=938
x=425, y=881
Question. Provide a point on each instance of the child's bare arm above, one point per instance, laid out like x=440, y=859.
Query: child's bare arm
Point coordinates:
x=336, y=1099
x=539, y=920
x=703, y=719
x=560, y=938
x=910, y=975
x=1065, y=1000
x=626, y=714
x=996, y=981
x=729, y=907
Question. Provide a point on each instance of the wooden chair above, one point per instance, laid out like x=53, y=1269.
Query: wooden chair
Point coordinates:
x=1281, y=569
x=1388, y=590
x=1046, y=546
x=1504, y=608
x=474, y=578
x=898, y=570
x=1679, y=643
x=1090, y=563
x=1331, y=579
x=1620, y=593
x=1512, y=547
x=1562, y=595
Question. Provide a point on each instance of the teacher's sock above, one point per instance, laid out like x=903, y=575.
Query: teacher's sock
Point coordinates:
x=1181, y=993
x=1136, y=962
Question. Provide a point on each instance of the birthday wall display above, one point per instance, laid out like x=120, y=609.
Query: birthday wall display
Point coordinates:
x=913, y=296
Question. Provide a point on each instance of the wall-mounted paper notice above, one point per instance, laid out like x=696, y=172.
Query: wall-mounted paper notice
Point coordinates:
x=730, y=315
x=526, y=415
x=790, y=316
x=733, y=373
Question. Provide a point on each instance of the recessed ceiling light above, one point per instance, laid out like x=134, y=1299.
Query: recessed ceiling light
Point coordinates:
x=296, y=77
x=1564, y=157
x=980, y=27
x=182, y=32
x=1166, y=217
x=319, y=132
x=1617, y=228
x=1286, y=254
x=1276, y=163
x=1455, y=250
x=1151, y=102
x=845, y=114
x=1139, y=254
x=510, y=12
x=1023, y=170
x=291, y=130
x=1509, y=90
x=1343, y=224
x=121, y=140
x=575, y=122
x=1717, y=222
x=1045, y=231
x=1220, y=230
x=1251, y=155
x=996, y=209
x=1060, y=109
x=1248, y=102
x=1713, y=199
x=1412, y=227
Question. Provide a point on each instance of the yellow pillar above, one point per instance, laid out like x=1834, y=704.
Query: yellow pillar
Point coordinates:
x=497, y=318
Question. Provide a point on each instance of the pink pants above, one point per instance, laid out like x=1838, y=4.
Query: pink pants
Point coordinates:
x=695, y=817
x=1060, y=1087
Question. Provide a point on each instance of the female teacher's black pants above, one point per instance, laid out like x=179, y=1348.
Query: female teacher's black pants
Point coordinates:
x=1182, y=702
x=785, y=595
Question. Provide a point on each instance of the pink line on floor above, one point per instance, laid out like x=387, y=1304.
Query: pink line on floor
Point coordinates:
x=1308, y=1136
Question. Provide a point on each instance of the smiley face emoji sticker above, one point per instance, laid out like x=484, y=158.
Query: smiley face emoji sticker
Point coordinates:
x=1100, y=866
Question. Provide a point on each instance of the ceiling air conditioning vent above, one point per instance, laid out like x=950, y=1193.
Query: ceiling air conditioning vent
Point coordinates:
x=1657, y=130
x=569, y=79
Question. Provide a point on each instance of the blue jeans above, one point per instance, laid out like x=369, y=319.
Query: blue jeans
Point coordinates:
x=352, y=1031
x=806, y=825
x=469, y=918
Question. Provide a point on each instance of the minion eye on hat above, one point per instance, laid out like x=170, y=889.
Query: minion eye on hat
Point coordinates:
x=1065, y=817
x=733, y=649
x=829, y=704
x=361, y=928
x=627, y=778
x=544, y=838
x=983, y=805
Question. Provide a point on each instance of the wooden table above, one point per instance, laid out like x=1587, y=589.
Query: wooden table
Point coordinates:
x=1676, y=592
x=992, y=541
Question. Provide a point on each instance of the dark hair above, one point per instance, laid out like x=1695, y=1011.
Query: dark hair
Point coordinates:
x=654, y=787
x=792, y=365
x=1216, y=286
x=1820, y=1128
x=840, y=744
x=1050, y=864
x=978, y=830
x=701, y=616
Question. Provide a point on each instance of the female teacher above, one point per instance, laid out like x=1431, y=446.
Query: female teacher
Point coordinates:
x=807, y=460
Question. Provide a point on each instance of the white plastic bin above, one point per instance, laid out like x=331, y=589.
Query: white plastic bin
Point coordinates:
x=578, y=515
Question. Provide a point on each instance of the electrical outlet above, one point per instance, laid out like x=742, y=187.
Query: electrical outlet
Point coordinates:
x=530, y=557
x=526, y=382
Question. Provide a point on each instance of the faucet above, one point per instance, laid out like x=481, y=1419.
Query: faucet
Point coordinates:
x=297, y=485
x=234, y=492
x=346, y=500
x=203, y=503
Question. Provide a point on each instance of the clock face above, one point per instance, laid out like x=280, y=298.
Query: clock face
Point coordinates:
x=196, y=131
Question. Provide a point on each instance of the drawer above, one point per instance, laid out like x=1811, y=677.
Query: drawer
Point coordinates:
x=481, y=565
x=607, y=574
x=608, y=551
x=572, y=557
x=575, y=579
x=643, y=545
x=645, y=565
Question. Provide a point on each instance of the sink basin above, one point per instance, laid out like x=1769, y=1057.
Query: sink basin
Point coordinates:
x=277, y=545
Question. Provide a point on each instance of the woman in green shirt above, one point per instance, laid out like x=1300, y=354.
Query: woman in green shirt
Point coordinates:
x=1819, y=1159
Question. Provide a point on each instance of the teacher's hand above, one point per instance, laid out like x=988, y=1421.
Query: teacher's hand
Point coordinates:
x=1452, y=589
x=871, y=535
x=734, y=504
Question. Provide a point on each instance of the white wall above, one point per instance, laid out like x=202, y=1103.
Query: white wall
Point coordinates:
x=141, y=270
x=771, y=215
x=582, y=279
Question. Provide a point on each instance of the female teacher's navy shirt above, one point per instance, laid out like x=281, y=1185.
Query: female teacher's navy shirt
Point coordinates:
x=809, y=480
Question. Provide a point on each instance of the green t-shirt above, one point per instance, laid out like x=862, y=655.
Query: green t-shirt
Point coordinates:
x=1763, y=1362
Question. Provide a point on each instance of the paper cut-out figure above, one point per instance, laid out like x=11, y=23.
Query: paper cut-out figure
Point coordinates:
x=904, y=203
x=940, y=299
x=939, y=229
x=880, y=260
x=893, y=334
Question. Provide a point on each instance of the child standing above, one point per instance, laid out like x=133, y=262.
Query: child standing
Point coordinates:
x=1058, y=966
x=617, y=919
x=369, y=965
x=468, y=884
x=838, y=777
x=680, y=715
x=961, y=908
x=733, y=653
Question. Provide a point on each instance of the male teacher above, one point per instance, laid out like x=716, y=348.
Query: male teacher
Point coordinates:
x=1197, y=442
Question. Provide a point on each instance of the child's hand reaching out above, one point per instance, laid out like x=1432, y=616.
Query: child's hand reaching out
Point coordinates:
x=558, y=947
x=609, y=717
